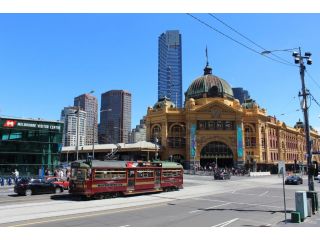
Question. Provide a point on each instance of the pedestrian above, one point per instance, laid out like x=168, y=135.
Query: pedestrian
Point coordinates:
x=15, y=175
x=68, y=174
x=60, y=173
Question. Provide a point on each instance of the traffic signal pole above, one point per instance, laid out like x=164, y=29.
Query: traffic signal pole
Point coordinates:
x=305, y=107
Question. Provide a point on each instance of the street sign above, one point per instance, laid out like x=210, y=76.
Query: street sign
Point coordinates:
x=281, y=167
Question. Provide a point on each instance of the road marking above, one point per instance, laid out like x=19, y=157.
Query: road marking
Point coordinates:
x=83, y=216
x=125, y=226
x=209, y=208
x=226, y=223
x=241, y=203
x=263, y=193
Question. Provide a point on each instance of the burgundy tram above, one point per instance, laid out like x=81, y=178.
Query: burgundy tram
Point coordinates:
x=102, y=179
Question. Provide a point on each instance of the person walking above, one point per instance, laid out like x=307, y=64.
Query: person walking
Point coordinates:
x=60, y=173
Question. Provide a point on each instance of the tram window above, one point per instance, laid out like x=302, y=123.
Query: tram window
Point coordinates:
x=115, y=175
x=78, y=174
x=145, y=174
x=131, y=174
x=171, y=173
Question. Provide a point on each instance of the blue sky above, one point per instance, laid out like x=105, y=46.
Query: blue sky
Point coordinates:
x=48, y=59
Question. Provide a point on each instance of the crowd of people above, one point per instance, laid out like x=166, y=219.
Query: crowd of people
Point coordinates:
x=59, y=173
x=211, y=169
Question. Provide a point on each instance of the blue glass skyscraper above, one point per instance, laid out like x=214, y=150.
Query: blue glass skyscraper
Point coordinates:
x=170, y=67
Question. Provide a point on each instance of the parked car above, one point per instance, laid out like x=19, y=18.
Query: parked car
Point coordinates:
x=29, y=187
x=62, y=182
x=221, y=176
x=294, y=179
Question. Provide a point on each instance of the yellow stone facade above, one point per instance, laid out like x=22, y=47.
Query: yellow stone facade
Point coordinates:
x=226, y=133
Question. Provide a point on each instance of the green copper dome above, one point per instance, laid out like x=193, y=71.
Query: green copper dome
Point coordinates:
x=209, y=86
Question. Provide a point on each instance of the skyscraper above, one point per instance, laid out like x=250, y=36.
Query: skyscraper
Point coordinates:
x=170, y=67
x=115, y=117
x=240, y=94
x=89, y=104
x=69, y=115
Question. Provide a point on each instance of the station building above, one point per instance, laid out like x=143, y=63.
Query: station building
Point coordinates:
x=28, y=145
x=213, y=128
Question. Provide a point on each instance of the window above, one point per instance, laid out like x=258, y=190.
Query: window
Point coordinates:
x=145, y=173
x=171, y=173
x=110, y=175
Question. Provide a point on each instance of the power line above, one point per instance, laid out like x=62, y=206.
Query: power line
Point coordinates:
x=312, y=78
x=227, y=36
x=213, y=16
x=313, y=98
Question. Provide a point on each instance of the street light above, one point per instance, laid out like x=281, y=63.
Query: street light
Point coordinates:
x=298, y=59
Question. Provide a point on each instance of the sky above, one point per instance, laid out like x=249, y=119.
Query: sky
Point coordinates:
x=48, y=59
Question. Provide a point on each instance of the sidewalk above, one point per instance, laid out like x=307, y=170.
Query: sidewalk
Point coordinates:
x=313, y=221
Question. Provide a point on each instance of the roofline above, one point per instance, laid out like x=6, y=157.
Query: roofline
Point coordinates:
x=30, y=119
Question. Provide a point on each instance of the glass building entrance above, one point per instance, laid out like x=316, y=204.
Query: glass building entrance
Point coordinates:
x=29, y=145
x=216, y=153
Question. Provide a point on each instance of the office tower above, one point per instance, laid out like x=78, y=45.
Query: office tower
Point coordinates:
x=170, y=67
x=139, y=133
x=69, y=116
x=240, y=94
x=89, y=104
x=115, y=117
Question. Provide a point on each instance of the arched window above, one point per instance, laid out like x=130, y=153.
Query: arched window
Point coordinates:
x=176, y=138
x=156, y=134
x=250, y=136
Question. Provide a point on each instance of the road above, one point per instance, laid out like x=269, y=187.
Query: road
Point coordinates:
x=239, y=202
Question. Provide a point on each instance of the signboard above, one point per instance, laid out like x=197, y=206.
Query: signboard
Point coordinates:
x=10, y=123
x=16, y=123
x=281, y=167
x=193, y=141
x=239, y=141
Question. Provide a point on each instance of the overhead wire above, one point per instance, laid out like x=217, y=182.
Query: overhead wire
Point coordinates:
x=256, y=44
x=236, y=41
x=312, y=78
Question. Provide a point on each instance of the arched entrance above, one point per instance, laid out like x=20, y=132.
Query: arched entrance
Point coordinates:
x=216, y=153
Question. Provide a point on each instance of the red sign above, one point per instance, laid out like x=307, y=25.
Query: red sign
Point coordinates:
x=10, y=123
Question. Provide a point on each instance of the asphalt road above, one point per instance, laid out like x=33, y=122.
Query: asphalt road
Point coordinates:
x=239, y=202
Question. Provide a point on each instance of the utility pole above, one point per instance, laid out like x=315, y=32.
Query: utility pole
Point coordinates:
x=299, y=60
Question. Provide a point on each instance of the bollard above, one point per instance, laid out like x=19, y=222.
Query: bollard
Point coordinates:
x=2, y=181
x=9, y=181
x=301, y=204
x=295, y=217
x=314, y=200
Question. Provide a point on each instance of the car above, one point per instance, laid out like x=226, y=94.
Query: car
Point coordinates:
x=29, y=187
x=293, y=179
x=221, y=176
x=62, y=182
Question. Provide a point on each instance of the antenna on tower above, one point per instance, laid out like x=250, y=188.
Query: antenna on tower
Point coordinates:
x=207, y=55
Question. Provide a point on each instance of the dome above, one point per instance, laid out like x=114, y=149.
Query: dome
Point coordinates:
x=209, y=85
x=164, y=102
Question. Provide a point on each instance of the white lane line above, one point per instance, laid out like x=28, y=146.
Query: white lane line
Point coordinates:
x=125, y=226
x=226, y=223
x=260, y=195
x=240, y=203
x=209, y=208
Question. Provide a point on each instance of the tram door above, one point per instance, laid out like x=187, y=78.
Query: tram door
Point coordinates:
x=157, y=178
x=131, y=179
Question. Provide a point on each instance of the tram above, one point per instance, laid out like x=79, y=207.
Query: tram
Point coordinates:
x=97, y=179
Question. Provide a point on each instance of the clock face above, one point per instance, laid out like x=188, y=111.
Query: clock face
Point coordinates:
x=216, y=113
